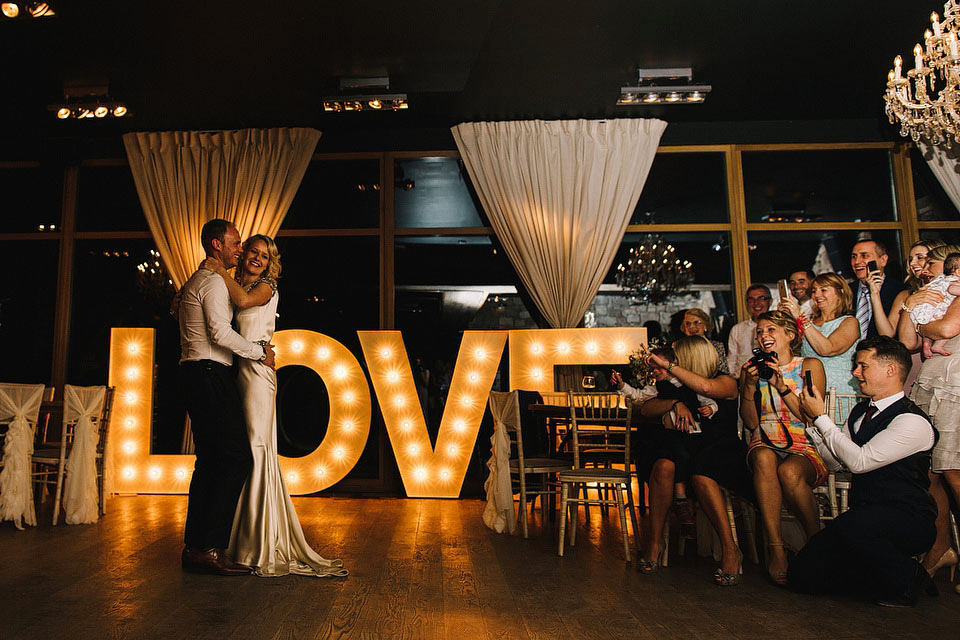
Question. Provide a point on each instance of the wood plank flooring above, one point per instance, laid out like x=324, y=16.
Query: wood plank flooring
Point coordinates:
x=418, y=569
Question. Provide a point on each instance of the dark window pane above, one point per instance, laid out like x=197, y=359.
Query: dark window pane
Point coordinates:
x=337, y=194
x=30, y=199
x=684, y=188
x=950, y=236
x=818, y=186
x=109, y=290
x=108, y=201
x=331, y=286
x=433, y=192
x=451, y=260
x=776, y=254
x=932, y=201
x=27, y=306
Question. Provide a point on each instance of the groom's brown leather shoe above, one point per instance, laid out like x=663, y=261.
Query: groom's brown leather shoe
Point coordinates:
x=212, y=561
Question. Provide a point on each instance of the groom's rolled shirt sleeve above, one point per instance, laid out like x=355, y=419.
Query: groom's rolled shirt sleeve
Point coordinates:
x=216, y=310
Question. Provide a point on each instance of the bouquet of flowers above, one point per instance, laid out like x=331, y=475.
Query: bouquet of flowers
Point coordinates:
x=640, y=369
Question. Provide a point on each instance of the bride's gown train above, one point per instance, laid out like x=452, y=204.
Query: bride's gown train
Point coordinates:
x=266, y=531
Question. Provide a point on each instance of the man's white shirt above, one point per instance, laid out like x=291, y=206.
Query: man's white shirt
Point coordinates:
x=907, y=434
x=205, y=316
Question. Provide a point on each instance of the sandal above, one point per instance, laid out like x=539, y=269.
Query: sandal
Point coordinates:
x=723, y=579
x=647, y=567
x=778, y=578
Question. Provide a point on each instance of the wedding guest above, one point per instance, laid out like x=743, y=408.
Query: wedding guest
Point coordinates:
x=831, y=334
x=886, y=324
x=743, y=335
x=696, y=322
x=871, y=306
x=801, y=286
x=886, y=444
x=697, y=442
x=786, y=465
x=937, y=392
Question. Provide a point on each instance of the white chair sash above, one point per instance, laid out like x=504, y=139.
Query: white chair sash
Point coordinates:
x=20, y=404
x=498, y=514
x=80, y=496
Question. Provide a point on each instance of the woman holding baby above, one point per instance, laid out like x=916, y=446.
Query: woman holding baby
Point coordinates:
x=937, y=390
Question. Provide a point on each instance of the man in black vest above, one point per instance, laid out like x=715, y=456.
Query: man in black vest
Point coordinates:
x=863, y=253
x=886, y=444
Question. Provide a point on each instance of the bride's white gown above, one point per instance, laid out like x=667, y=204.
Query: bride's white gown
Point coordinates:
x=266, y=531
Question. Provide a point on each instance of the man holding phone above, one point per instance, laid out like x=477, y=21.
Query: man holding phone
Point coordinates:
x=801, y=286
x=869, y=259
x=743, y=335
x=886, y=444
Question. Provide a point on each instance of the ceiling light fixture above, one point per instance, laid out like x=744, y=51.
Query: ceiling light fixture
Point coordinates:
x=926, y=101
x=664, y=86
x=26, y=10
x=88, y=100
x=367, y=101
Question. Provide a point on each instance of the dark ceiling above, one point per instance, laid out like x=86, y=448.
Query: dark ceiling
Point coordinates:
x=214, y=64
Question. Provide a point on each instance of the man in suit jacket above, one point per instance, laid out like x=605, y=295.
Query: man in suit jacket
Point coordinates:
x=861, y=255
x=886, y=444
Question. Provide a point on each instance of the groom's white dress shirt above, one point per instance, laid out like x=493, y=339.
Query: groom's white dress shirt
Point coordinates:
x=205, y=329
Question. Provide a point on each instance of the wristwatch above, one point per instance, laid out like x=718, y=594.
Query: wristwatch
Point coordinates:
x=263, y=344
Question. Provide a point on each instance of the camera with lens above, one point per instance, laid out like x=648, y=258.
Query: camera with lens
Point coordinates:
x=760, y=359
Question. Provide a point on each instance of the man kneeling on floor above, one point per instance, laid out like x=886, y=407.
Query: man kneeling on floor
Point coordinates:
x=886, y=444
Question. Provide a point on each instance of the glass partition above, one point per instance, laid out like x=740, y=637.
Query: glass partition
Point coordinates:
x=337, y=194
x=31, y=199
x=433, y=192
x=107, y=200
x=684, y=188
x=848, y=185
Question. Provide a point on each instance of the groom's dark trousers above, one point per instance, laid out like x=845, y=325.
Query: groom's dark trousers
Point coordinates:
x=223, y=452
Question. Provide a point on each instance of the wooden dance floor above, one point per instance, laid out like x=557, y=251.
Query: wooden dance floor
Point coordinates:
x=419, y=569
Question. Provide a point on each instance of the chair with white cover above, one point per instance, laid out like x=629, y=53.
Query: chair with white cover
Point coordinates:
x=78, y=461
x=509, y=468
x=19, y=409
x=606, y=415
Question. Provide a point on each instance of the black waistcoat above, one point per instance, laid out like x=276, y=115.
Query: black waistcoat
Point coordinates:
x=903, y=483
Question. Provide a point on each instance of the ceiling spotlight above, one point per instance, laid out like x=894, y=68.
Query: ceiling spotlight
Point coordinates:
x=39, y=9
x=119, y=111
x=63, y=113
x=374, y=104
x=672, y=86
x=101, y=111
x=332, y=106
x=10, y=9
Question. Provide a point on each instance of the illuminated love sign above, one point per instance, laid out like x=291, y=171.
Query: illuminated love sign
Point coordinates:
x=426, y=471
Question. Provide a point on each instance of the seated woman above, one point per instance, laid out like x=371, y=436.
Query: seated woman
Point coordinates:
x=786, y=466
x=696, y=322
x=832, y=333
x=698, y=441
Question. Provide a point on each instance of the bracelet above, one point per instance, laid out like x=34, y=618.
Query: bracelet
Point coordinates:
x=670, y=368
x=783, y=394
x=903, y=306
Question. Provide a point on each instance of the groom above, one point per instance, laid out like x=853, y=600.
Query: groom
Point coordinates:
x=207, y=345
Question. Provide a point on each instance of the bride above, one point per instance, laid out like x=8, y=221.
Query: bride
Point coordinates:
x=266, y=531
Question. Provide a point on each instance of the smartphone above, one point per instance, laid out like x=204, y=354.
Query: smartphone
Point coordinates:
x=808, y=382
x=783, y=289
x=872, y=266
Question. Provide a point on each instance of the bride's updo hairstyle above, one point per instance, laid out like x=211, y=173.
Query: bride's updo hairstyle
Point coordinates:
x=273, y=267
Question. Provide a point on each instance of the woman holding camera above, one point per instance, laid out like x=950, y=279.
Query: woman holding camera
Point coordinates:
x=698, y=442
x=786, y=466
x=832, y=333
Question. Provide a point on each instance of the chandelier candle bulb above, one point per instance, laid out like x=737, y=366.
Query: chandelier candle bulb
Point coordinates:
x=918, y=57
x=952, y=44
x=935, y=19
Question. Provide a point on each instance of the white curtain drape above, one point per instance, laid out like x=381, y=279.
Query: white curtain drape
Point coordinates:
x=945, y=164
x=498, y=514
x=185, y=178
x=559, y=196
x=80, y=496
x=20, y=405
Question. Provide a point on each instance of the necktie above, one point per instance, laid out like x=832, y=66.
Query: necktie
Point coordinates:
x=868, y=416
x=864, y=310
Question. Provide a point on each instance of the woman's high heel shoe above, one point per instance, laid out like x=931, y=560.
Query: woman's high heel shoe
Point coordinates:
x=779, y=578
x=947, y=559
x=723, y=579
x=646, y=567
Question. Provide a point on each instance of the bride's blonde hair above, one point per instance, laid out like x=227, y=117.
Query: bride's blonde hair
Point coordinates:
x=273, y=267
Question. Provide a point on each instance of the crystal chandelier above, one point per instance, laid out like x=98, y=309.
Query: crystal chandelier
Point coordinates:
x=926, y=101
x=653, y=272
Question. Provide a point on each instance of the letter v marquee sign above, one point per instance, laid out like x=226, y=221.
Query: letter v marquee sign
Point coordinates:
x=426, y=471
